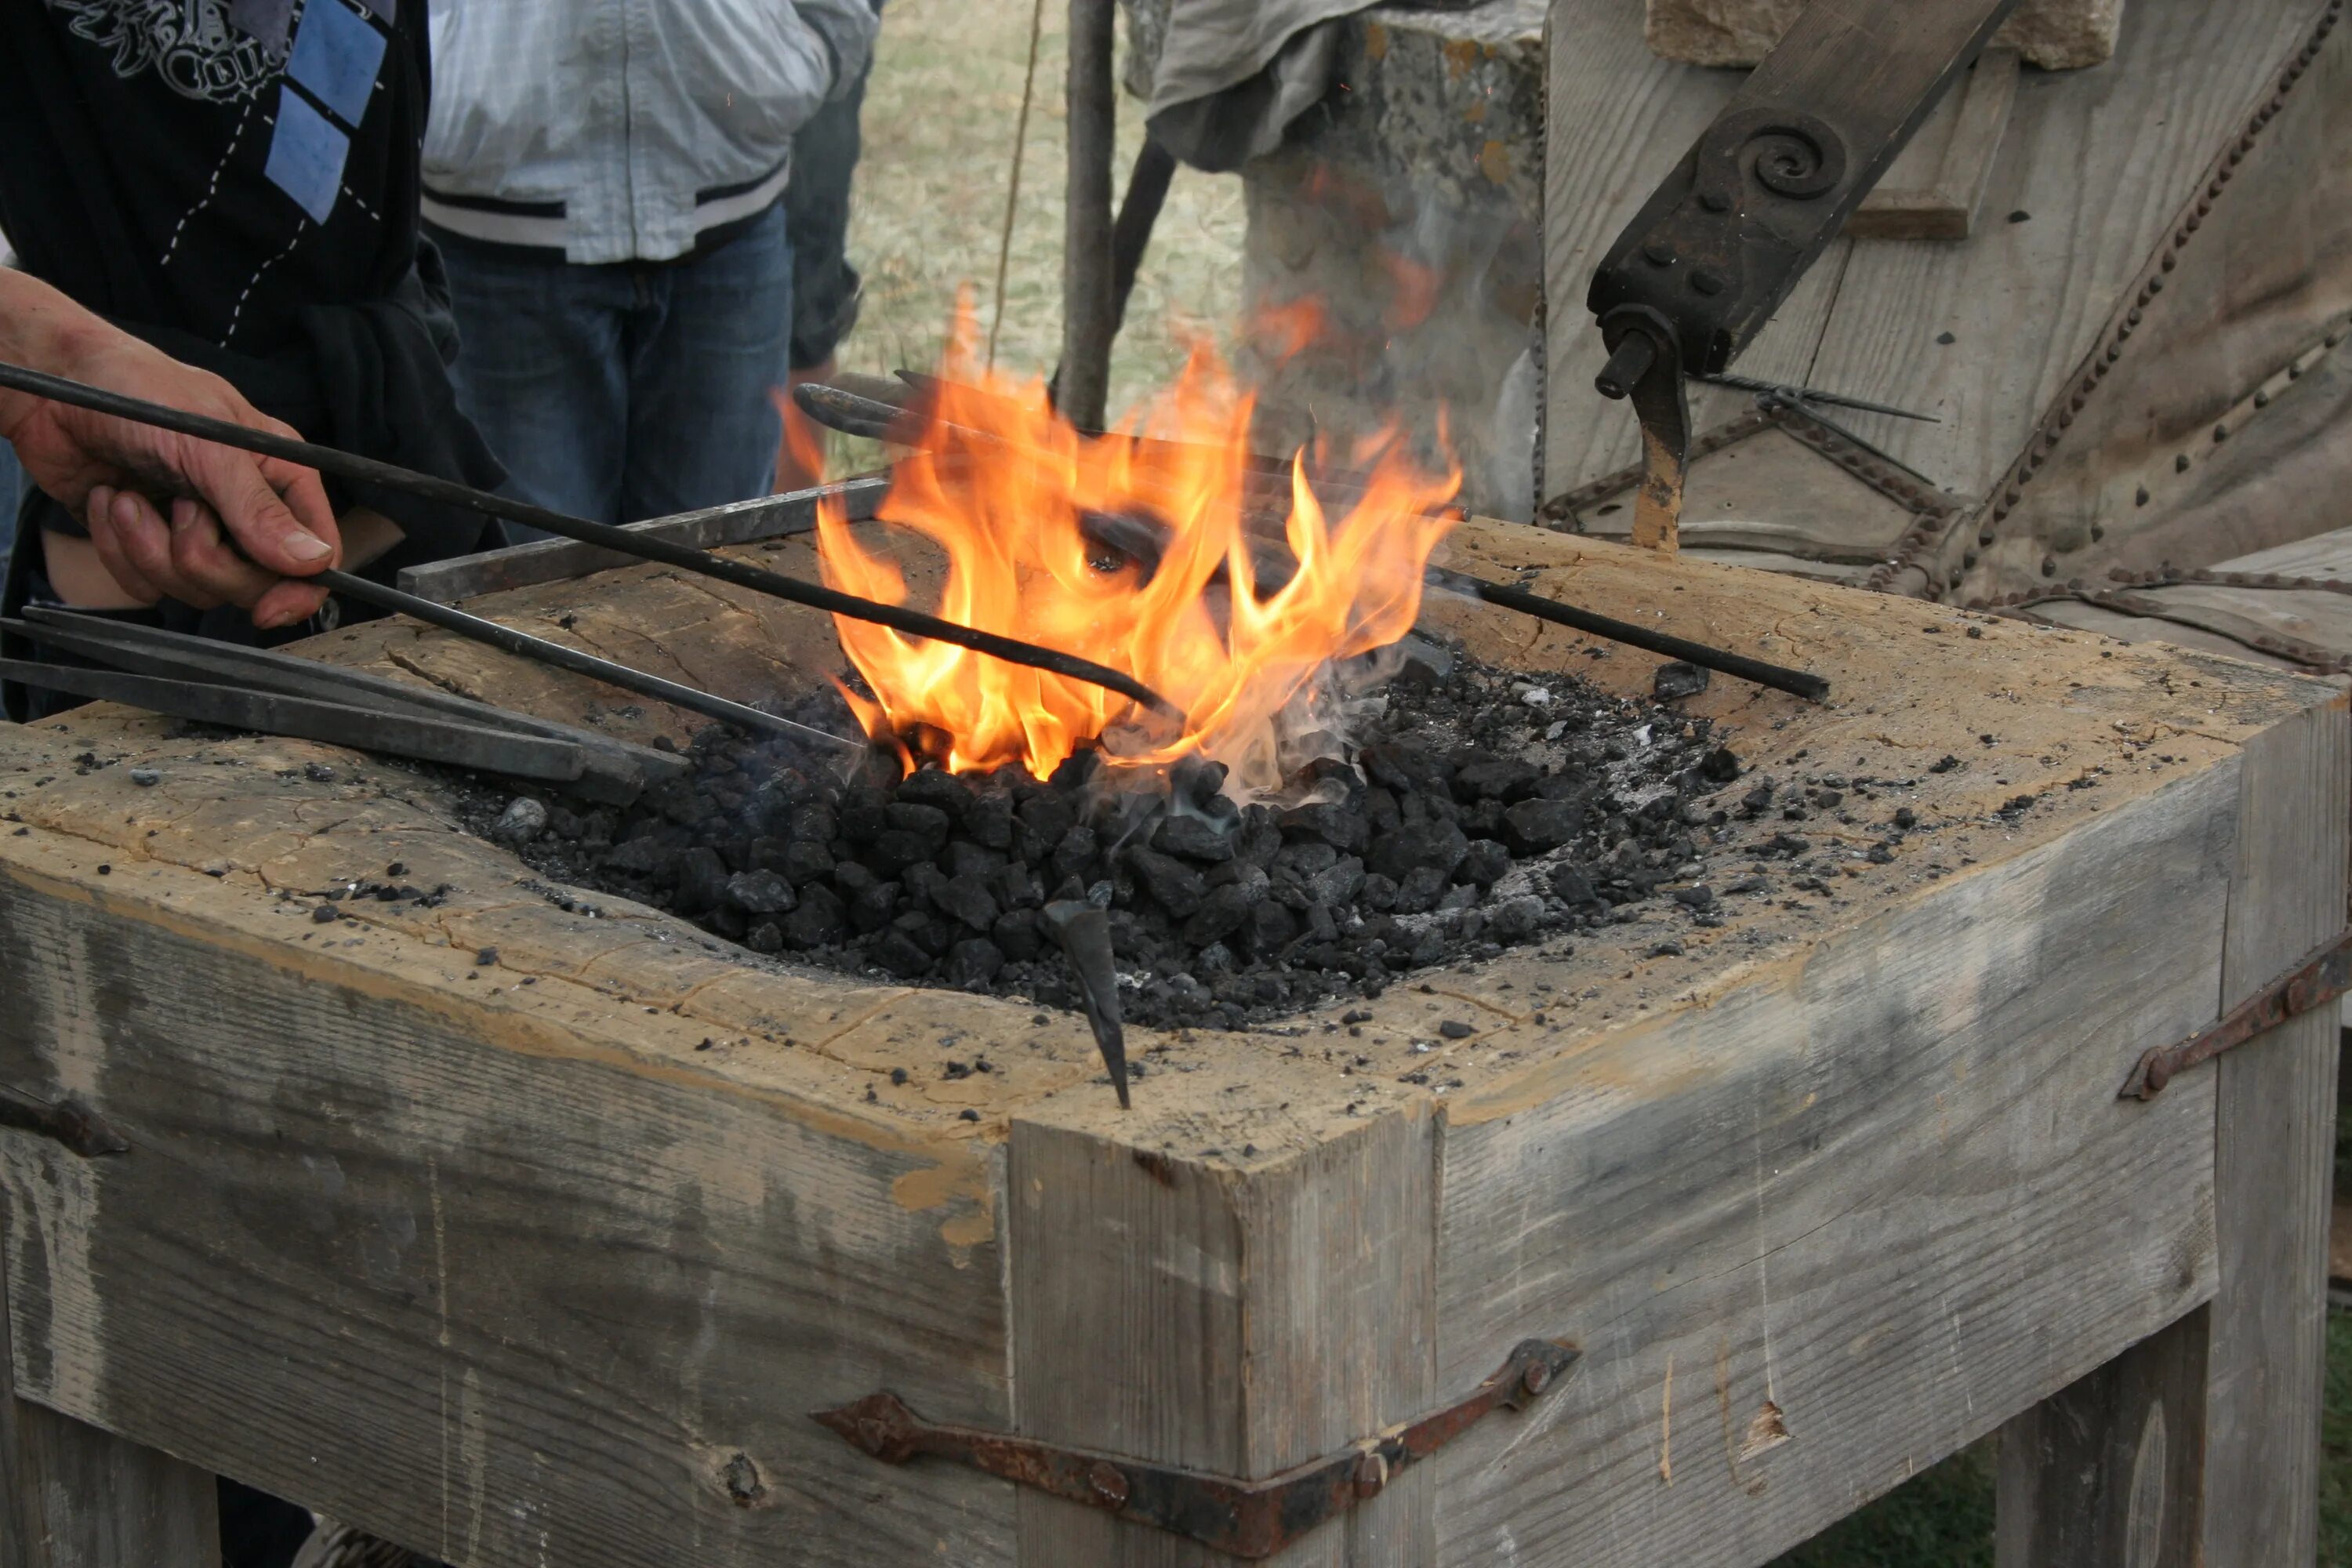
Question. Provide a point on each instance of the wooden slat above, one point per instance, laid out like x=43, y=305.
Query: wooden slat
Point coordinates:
x=1938, y=183
x=2102, y=161
x=1164, y=1309
x=504, y=1293
x=1876, y=1201
x=2274, y=1133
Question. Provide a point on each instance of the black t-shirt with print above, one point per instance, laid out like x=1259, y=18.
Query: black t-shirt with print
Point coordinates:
x=237, y=182
x=212, y=166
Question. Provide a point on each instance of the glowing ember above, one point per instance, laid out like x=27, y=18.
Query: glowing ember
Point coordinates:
x=1003, y=488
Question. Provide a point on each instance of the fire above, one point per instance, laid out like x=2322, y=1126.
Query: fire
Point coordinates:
x=1015, y=501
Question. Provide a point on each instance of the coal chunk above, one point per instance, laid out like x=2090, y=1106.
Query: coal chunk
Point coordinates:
x=969, y=899
x=989, y=822
x=523, y=820
x=820, y=921
x=1419, y=892
x=1677, y=680
x=1020, y=935
x=1514, y=920
x=1174, y=885
x=936, y=790
x=1720, y=765
x=1484, y=864
x=971, y=964
x=648, y=858
x=897, y=953
x=1077, y=853
x=1338, y=826
x=1336, y=886
x=1494, y=778
x=1533, y=827
x=801, y=862
x=701, y=881
x=1192, y=839
x=1049, y=817
x=964, y=858
x=1221, y=914
x=1437, y=845
x=1404, y=769
x=761, y=893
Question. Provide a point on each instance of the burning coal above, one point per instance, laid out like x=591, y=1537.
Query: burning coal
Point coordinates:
x=1029, y=515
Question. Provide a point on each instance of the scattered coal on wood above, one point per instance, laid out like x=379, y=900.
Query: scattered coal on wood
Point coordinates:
x=1480, y=809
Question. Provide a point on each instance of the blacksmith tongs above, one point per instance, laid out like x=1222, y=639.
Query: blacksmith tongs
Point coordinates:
x=280, y=694
x=1699, y=271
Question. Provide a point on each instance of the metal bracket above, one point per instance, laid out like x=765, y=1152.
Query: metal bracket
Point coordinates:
x=2323, y=975
x=1249, y=1519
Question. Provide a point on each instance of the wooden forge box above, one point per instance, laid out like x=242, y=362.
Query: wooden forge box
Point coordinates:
x=533, y=1226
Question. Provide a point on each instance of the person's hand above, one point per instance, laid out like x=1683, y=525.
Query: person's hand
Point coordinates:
x=169, y=515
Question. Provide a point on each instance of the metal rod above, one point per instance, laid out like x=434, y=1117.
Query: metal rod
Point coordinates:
x=644, y=546
x=1803, y=394
x=1796, y=682
x=525, y=645
x=1089, y=309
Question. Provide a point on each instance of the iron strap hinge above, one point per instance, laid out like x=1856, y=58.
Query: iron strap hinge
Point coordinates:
x=2323, y=975
x=1249, y=1519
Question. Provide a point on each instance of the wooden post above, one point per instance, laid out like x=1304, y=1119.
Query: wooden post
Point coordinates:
x=2200, y=1445
x=72, y=1496
x=1237, y=1322
x=1089, y=299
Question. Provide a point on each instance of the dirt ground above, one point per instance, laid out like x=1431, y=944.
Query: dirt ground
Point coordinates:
x=940, y=112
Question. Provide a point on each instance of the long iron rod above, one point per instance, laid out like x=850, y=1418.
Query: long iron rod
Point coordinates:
x=523, y=645
x=644, y=546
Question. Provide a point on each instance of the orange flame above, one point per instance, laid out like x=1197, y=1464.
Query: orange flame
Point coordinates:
x=1003, y=488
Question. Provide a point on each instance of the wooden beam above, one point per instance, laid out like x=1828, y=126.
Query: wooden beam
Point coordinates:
x=1935, y=188
x=1089, y=295
x=1240, y=1323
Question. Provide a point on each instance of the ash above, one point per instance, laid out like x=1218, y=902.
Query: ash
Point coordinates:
x=1482, y=809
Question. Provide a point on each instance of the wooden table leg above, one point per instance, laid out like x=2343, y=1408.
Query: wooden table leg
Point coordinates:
x=2200, y=1445
x=80, y=1497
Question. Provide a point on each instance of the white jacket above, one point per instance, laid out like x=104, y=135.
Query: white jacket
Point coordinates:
x=626, y=130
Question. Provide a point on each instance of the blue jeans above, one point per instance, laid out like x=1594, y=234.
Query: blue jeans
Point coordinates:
x=634, y=390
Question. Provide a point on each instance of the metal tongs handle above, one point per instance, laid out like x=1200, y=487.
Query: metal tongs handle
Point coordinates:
x=1701, y=268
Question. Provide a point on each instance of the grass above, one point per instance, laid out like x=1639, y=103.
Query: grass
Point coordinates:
x=939, y=114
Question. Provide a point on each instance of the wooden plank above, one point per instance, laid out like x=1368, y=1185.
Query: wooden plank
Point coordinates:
x=2102, y=161
x=1939, y=182
x=1176, y=1310
x=1620, y=119
x=2274, y=1135
x=2111, y=1470
x=509, y=1286
x=1831, y=1224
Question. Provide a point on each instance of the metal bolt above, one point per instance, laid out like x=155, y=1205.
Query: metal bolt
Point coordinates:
x=1715, y=201
x=1109, y=1481
x=1537, y=1378
x=1372, y=1474
x=2050, y=567
x=1658, y=254
x=2159, y=1073
x=1706, y=283
x=2180, y=464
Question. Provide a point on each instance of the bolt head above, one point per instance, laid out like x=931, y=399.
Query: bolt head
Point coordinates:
x=1537, y=1378
x=1706, y=283
x=1715, y=201
x=1658, y=254
x=1109, y=1481
x=2159, y=1073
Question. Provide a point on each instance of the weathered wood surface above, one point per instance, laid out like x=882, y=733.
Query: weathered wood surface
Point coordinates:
x=2224, y=618
x=2200, y=422
x=490, y=1256
x=2111, y=1470
x=2276, y=1145
x=2105, y=163
x=1938, y=184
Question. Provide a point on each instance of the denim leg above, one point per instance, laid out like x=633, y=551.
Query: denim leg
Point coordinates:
x=702, y=429
x=540, y=369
